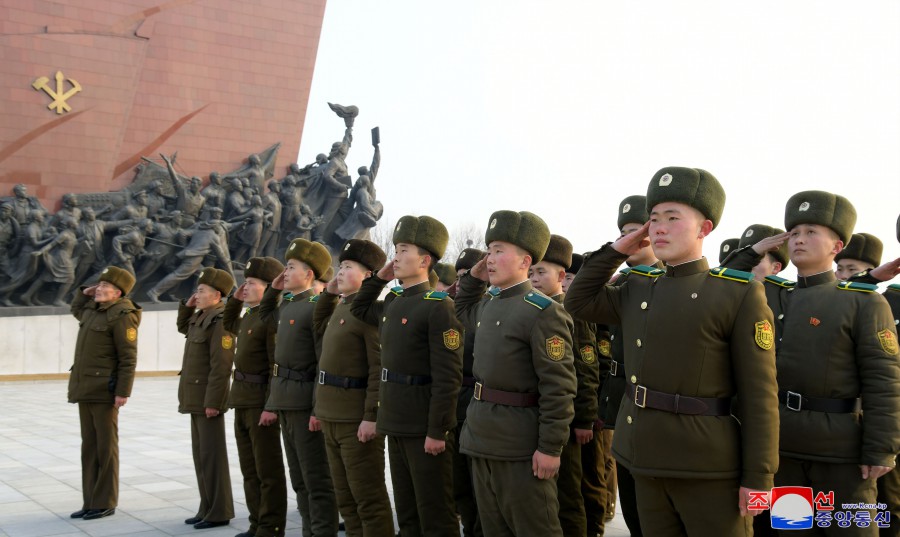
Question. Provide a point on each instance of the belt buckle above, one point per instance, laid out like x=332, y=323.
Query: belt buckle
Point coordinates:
x=384, y=373
x=478, y=387
x=613, y=368
x=640, y=396
x=797, y=397
x=321, y=377
x=275, y=370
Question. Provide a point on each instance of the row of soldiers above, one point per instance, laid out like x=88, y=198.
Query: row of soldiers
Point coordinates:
x=498, y=395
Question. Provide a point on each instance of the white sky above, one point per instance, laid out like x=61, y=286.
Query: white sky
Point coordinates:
x=564, y=108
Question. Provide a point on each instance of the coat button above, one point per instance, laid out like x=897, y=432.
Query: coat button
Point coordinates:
x=633, y=379
x=639, y=342
x=781, y=316
x=479, y=324
x=612, y=337
x=384, y=319
x=643, y=305
x=693, y=295
x=628, y=419
x=196, y=381
x=498, y=323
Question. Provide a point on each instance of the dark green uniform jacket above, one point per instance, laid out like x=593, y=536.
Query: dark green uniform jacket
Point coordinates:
x=690, y=333
x=419, y=336
x=839, y=342
x=296, y=348
x=208, y=355
x=350, y=348
x=523, y=344
x=105, y=351
x=587, y=370
x=254, y=353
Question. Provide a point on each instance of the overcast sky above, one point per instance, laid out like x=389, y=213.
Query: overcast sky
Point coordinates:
x=564, y=108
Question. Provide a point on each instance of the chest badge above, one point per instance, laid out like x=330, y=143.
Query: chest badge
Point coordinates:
x=451, y=338
x=556, y=348
x=342, y=321
x=227, y=342
x=131, y=334
x=765, y=336
x=815, y=322
x=404, y=320
x=292, y=321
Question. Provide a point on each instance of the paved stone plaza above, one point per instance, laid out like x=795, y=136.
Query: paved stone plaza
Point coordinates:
x=40, y=472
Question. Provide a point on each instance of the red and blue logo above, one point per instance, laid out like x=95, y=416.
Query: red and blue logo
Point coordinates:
x=791, y=508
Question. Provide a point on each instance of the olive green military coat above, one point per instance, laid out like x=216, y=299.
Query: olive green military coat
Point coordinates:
x=208, y=356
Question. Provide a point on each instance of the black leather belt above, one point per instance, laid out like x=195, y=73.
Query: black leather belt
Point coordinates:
x=412, y=380
x=502, y=397
x=248, y=377
x=354, y=383
x=797, y=402
x=678, y=404
x=616, y=369
x=468, y=381
x=293, y=374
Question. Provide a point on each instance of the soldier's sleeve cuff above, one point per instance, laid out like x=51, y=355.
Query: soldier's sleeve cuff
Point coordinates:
x=554, y=451
x=756, y=481
x=369, y=416
x=879, y=459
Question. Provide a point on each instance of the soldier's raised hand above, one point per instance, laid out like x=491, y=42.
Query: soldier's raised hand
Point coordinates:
x=886, y=271
x=480, y=270
x=332, y=287
x=770, y=244
x=633, y=242
x=278, y=282
x=387, y=271
x=241, y=292
x=90, y=291
x=192, y=302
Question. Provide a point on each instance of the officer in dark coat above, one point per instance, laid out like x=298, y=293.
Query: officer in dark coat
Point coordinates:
x=294, y=379
x=518, y=420
x=838, y=365
x=203, y=393
x=421, y=358
x=100, y=382
x=256, y=430
x=347, y=396
x=693, y=338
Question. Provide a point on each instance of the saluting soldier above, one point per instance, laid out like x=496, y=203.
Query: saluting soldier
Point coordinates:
x=463, y=488
x=100, y=382
x=256, y=429
x=322, y=281
x=693, y=338
x=727, y=246
x=421, y=358
x=762, y=251
x=547, y=276
x=203, y=393
x=518, y=420
x=347, y=396
x=838, y=368
x=293, y=381
x=862, y=253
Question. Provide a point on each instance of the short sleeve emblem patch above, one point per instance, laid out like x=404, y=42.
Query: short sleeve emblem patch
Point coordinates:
x=451, y=339
x=765, y=336
x=604, y=347
x=587, y=354
x=227, y=342
x=131, y=334
x=888, y=341
x=556, y=348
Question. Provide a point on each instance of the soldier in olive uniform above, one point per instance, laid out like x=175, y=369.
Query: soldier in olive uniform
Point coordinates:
x=762, y=251
x=463, y=488
x=100, y=382
x=547, y=276
x=838, y=368
x=694, y=339
x=347, y=396
x=862, y=253
x=421, y=358
x=518, y=420
x=293, y=381
x=256, y=430
x=725, y=249
x=889, y=484
x=203, y=393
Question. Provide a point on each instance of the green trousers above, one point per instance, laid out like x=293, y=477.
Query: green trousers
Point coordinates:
x=512, y=502
x=423, y=488
x=211, y=467
x=265, y=489
x=99, y=455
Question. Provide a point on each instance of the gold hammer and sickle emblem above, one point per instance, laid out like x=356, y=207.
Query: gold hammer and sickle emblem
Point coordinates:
x=59, y=97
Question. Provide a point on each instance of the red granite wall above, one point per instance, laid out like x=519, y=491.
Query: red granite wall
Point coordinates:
x=214, y=80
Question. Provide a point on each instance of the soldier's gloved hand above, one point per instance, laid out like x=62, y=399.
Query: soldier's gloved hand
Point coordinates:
x=544, y=466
